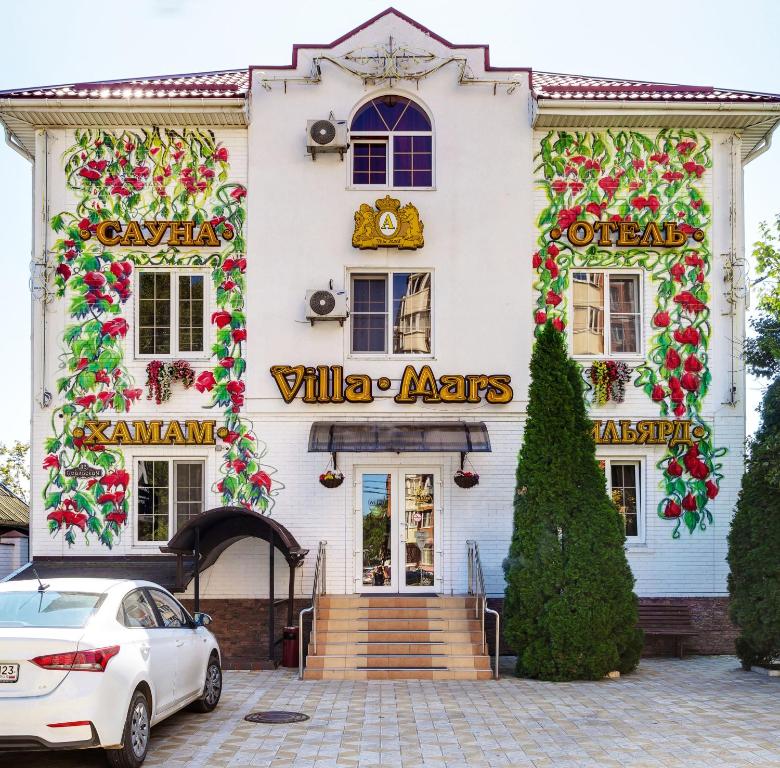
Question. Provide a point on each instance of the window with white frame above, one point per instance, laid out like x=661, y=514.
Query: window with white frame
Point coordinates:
x=607, y=313
x=171, y=313
x=391, y=139
x=168, y=494
x=390, y=313
x=624, y=487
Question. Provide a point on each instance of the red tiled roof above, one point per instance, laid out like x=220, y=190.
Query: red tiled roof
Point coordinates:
x=234, y=83
x=229, y=83
x=551, y=85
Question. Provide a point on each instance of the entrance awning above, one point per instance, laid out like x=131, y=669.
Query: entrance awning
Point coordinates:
x=398, y=436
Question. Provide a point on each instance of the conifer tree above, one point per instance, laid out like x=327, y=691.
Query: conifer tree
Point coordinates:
x=754, y=544
x=569, y=609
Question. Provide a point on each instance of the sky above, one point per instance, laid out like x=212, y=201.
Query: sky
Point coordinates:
x=46, y=42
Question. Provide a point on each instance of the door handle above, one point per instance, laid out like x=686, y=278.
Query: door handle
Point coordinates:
x=179, y=643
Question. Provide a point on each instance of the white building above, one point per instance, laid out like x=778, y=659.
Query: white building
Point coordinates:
x=509, y=170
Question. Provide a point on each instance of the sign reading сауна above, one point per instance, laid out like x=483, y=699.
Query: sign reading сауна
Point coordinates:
x=153, y=233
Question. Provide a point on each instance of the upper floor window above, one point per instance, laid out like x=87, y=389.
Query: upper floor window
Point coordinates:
x=607, y=313
x=171, y=313
x=391, y=313
x=392, y=144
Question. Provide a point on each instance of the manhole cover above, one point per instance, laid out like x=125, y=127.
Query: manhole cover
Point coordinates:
x=276, y=718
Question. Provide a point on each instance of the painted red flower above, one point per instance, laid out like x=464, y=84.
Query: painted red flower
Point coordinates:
x=113, y=328
x=658, y=157
x=609, y=185
x=52, y=461
x=679, y=410
x=672, y=359
x=677, y=271
x=672, y=510
x=577, y=159
x=689, y=302
x=658, y=393
x=221, y=154
x=231, y=437
x=690, y=503
x=694, y=168
x=567, y=216
x=63, y=270
x=238, y=465
x=712, y=489
x=235, y=387
x=551, y=267
x=94, y=279
x=226, y=362
x=205, y=382
x=690, y=381
x=89, y=174
x=540, y=318
x=553, y=298
x=674, y=469
x=536, y=260
x=261, y=479
x=594, y=208
x=221, y=318
x=553, y=250
x=558, y=324
x=685, y=147
x=559, y=186
x=661, y=319
x=687, y=335
x=638, y=164
x=238, y=193
x=693, y=364
x=86, y=401
x=239, y=334
x=116, y=517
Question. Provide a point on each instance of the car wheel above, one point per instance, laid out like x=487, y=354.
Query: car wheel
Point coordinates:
x=212, y=688
x=135, y=737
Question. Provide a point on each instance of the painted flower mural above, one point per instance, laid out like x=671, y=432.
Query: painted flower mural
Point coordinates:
x=142, y=175
x=626, y=176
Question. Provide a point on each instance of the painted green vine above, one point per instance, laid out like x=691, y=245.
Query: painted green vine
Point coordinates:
x=141, y=175
x=629, y=176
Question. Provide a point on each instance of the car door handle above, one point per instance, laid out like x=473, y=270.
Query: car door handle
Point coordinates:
x=179, y=643
x=144, y=651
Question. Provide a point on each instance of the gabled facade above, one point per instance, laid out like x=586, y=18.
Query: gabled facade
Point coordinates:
x=340, y=264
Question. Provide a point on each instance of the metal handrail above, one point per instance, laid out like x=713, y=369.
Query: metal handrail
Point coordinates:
x=318, y=588
x=477, y=588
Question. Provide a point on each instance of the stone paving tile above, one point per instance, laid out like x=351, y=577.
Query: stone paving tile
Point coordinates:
x=700, y=712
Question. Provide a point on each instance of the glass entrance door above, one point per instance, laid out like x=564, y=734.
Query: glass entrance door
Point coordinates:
x=397, y=532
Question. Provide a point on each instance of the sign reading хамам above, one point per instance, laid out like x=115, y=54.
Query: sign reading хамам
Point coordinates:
x=190, y=432
x=328, y=384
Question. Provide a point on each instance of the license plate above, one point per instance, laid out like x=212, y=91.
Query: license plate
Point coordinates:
x=9, y=673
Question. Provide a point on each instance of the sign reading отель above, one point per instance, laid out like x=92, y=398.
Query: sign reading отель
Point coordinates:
x=627, y=234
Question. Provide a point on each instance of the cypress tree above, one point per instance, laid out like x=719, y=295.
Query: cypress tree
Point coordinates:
x=754, y=544
x=569, y=609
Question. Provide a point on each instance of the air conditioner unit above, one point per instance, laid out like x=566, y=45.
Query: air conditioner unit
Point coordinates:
x=325, y=304
x=326, y=136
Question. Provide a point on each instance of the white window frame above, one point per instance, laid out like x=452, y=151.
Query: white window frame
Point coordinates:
x=175, y=354
x=387, y=137
x=608, y=353
x=172, y=462
x=359, y=272
x=640, y=464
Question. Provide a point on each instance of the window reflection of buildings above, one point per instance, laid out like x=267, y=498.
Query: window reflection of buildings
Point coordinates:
x=419, y=501
x=412, y=327
x=588, y=329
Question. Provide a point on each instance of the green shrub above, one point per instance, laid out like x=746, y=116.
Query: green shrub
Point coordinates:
x=754, y=543
x=569, y=609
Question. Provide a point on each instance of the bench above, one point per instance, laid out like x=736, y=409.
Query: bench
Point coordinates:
x=667, y=621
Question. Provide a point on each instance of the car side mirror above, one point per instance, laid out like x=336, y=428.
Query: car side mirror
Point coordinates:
x=202, y=619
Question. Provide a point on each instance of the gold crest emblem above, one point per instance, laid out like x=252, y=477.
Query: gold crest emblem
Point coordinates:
x=389, y=226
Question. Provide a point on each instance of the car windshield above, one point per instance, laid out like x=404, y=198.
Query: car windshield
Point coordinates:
x=47, y=609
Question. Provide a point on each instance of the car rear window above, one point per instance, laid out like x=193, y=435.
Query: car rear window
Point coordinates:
x=47, y=609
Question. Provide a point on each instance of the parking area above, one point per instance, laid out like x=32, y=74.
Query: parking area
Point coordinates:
x=697, y=712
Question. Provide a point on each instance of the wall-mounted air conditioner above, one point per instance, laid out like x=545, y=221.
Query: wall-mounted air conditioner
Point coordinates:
x=325, y=304
x=326, y=136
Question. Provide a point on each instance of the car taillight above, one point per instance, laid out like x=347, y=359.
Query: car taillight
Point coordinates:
x=78, y=661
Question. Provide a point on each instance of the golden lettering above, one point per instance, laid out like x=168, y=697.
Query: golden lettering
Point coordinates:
x=338, y=384
x=281, y=374
x=453, y=389
x=414, y=385
x=173, y=434
x=359, y=389
x=628, y=233
x=500, y=390
x=206, y=235
x=147, y=432
x=310, y=386
x=96, y=430
x=180, y=233
x=580, y=233
x=605, y=230
x=652, y=236
x=674, y=237
x=157, y=230
x=199, y=432
x=121, y=434
x=105, y=232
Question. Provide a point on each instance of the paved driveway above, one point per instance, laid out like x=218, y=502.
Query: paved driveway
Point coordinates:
x=697, y=712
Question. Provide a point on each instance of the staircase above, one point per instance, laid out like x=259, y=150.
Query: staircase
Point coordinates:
x=396, y=637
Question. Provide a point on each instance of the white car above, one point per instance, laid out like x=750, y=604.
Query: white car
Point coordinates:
x=97, y=662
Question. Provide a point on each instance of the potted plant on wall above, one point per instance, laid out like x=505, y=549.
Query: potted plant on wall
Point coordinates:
x=332, y=477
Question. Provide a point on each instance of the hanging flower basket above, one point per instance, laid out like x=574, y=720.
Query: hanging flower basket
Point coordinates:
x=609, y=380
x=331, y=478
x=160, y=375
x=465, y=479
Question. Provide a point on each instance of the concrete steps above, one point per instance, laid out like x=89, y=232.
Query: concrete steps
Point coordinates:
x=397, y=637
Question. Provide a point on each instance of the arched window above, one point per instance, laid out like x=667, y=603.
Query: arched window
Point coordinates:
x=392, y=144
